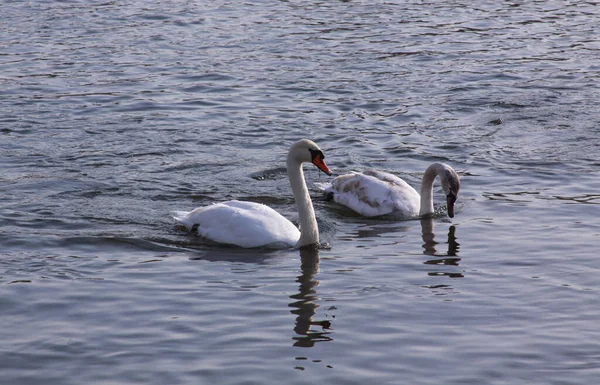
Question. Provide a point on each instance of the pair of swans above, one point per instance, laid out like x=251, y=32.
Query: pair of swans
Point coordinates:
x=370, y=193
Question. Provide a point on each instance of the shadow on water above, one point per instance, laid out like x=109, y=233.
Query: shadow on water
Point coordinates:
x=430, y=246
x=304, y=304
x=235, y=254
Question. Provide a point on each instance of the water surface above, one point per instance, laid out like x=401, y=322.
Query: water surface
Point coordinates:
x=113, y=114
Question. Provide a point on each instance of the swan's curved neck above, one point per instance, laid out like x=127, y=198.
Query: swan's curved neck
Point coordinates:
x=309, y=230
x=427, y=188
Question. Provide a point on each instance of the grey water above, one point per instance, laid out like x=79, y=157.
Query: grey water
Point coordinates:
x=115, y=113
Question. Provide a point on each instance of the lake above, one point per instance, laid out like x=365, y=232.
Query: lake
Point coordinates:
x=113, y=114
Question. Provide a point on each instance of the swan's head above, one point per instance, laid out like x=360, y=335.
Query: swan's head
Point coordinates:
x=307, y=151
x=451, y=185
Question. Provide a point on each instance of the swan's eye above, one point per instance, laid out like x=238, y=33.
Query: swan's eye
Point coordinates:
x=316, y=154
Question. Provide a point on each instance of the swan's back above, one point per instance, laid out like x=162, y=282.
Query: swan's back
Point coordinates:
x=374, y=193
x=245, y=224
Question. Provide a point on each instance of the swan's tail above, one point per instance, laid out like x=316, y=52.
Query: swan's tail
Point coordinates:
x=326, y=188
x=322, y=186
x=179, y=215
x=182, y=217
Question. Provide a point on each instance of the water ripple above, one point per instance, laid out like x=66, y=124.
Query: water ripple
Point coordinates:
x=113, y=114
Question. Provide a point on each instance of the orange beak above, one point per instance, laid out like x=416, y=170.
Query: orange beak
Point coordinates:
x=320, y=163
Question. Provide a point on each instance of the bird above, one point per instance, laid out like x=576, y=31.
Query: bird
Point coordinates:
x=250, y=224
x=374, y=193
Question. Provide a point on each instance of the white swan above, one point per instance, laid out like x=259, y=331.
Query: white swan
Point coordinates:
x=249, y=224
x=372, y=193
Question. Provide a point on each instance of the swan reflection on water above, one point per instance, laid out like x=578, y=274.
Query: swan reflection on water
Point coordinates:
x=430, y=246
x=308, y=330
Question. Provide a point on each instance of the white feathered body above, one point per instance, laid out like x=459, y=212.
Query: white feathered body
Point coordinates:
x=374, y=193
x=245, y=224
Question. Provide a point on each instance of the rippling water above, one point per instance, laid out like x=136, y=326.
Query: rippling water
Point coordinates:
x=115, y=113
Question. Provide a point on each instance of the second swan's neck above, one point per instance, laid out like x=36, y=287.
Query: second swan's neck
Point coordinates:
x=427, y=188
x=309, y=231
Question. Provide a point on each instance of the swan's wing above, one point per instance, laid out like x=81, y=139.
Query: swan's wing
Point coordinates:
x=246, y=224
x=375, y=193
x=392, y=179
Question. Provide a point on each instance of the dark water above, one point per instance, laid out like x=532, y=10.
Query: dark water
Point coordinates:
x=114, y=113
